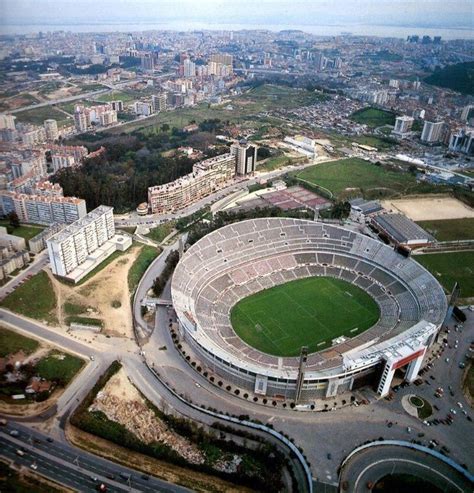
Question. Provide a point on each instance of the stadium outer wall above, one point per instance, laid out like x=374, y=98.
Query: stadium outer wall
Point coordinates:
x=401, y=343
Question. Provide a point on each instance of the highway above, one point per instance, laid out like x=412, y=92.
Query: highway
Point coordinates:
x=74, y=467
x=374, y=463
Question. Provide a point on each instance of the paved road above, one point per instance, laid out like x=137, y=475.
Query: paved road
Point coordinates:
x=74, y=467
x=372, y=464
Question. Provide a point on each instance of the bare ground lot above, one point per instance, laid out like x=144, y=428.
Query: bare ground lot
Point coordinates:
x=430, y=208
x=98, y=294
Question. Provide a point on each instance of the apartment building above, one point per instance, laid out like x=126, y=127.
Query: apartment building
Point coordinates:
x=245, y=157
x=41, y=209
x=78, y=248
x=207, y=176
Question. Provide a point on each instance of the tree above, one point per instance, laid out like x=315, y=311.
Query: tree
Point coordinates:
x=14, y=221
x=165, y=127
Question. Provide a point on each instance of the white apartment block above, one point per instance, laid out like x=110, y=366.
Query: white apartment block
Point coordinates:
x=432, y=132
x=40, y=209
x=207, y=176
x=403, y=125
x=80, y=247
x=143, y=108
x=7, y=121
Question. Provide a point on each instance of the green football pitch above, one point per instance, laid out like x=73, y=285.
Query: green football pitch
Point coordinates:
x=305, y=312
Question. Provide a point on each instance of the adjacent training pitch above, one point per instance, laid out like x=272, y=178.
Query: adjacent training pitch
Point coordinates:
x=305, y=312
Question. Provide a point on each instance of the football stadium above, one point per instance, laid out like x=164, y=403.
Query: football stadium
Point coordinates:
x=296, y=309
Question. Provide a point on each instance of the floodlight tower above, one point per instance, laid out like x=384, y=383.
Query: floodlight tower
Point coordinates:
x=301, y=368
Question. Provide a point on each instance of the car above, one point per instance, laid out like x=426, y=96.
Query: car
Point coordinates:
x=462, y=365
x=94, y=478
x=37, y=440
x=329, y=456
x=469, y=418
x=432, y=377
x=460, y=405
x=19, y=452
x=145, y=477
x=453, y=411
x=34, y=466
x=50, y=440
x=447, y=360
x=436, y=407
x=421, y=435
x=91, y=357
x=464, y=412
x=110, y=475
x=408, y=429
x=14, y=433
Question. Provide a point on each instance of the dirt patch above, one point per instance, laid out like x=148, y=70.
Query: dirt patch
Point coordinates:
x=193, y=480
x=97, y=294
x=121, y=402
x=430, y=208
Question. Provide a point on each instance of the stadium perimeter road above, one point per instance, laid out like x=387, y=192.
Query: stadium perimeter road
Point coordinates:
x=374, y=463
x=73, y=467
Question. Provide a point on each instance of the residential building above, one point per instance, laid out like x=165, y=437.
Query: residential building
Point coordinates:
x=207, y=176
x=245, y=158
x=82, y=119
x=462, y=141
x=80, y=247
x=67, y=156
x=143, y=108
x=433, y=132
x=403, y=125
x=117, y=105
x=51, y=129
x=7, y=121
x=159, y=102
x=42, y=209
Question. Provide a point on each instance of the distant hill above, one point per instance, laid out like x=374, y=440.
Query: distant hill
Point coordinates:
x=459, y=77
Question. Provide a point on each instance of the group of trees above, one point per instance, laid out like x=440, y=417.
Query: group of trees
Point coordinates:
x=132, y=163
x=160, y=282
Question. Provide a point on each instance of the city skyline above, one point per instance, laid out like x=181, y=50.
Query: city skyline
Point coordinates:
x=27, y=16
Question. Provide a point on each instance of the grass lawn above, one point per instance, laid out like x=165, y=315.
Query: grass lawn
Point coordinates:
x=74, y=319
x=305, y=312
x=356, y=176
x=115, y=96
x=141, y=264
x=243, y=107
x=373, y=117
x=370, y=140
x=59, y=367
x=275, y=162
x=162, y=231
x=37, y=116
x=35, y=299
x=11, y=342
x=451, y=267
x=450, y=229
x=26, y=231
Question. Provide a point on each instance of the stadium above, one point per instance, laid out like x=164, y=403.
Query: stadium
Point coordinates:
x=302, y=310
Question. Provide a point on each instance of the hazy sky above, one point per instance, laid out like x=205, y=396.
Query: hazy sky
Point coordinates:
x=436, y=13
